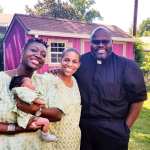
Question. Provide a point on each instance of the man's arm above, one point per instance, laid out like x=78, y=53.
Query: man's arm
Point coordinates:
x=134, y=112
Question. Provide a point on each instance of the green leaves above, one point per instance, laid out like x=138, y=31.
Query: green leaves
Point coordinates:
x=84, y=10
x=139, y=52
x=80, y=10
x=144, y=29
x=142, y=58
x=146, y=63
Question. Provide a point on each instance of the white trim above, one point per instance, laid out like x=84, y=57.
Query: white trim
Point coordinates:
x=124, y=50
x=81, y=46
x=123, y=39
x=36, y=35
x=68, y=44
x=74, y=35
x=49, y=49
x=58, y=34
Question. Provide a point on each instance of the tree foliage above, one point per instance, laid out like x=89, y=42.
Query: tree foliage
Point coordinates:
x=146, y=66
x=139, y=52
x=52, y=8
x=84, y=10
x=146, y=63
x=73, y=9
x=144, y=28
x=142, y=58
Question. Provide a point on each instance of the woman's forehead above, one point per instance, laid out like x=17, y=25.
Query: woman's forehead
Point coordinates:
x=37, y=45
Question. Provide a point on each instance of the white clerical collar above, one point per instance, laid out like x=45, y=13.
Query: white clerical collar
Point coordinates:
x=99, y=62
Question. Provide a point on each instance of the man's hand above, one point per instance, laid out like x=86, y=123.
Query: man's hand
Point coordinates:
x=134, y=112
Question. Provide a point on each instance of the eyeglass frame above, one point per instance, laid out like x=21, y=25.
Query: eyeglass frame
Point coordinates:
x=98, y=42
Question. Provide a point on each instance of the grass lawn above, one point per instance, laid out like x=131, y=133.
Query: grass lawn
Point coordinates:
x=140, y=134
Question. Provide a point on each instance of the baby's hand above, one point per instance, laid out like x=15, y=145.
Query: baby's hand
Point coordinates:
x=39, y=102
x=34, y=125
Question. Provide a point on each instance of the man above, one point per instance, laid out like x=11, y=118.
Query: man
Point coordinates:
x=112, y=91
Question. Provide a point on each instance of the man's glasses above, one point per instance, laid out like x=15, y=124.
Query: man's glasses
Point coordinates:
x=98, y=42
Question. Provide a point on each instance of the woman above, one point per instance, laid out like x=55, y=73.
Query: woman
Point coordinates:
x=64, y=94
x=33, y=58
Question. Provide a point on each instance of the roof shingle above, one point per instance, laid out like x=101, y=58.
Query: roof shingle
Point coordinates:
x=65, y=26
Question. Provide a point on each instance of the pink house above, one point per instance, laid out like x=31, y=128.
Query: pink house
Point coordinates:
x=60, y=34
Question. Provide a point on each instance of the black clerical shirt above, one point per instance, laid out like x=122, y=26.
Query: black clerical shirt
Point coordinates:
x=108, y=88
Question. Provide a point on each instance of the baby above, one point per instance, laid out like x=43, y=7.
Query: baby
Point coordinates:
x=23, y=88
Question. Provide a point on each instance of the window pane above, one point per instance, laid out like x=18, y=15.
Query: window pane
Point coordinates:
x=60, y=49
x=54, y=55
x=52, y=44
x=53, y=49
x=61, y=44
x=59, y=57
x=54, y=60
x=56, y=51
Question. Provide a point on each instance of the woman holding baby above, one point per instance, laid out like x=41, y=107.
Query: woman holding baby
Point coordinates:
x=14, y=137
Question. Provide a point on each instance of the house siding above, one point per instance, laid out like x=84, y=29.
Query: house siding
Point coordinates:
x=16, y=38
x=130, y=50
x=13, y=45
x=86, y=45
x=118, y=48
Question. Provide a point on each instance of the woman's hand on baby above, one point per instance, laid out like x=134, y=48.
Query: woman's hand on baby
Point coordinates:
x=28, y=108
x=55, y=71
x=39, y=103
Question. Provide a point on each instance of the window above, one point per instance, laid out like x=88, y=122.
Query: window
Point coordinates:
x=56, y=51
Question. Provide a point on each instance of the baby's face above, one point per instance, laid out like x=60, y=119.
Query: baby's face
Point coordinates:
x=26, y=82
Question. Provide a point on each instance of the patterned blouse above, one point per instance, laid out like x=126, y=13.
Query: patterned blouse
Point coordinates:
x=68, y=100
x=21, y=141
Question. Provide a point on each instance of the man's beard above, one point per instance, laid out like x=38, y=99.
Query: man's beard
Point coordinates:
x=101, y=56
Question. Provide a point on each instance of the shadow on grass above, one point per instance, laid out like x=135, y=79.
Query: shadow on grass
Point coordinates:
x=140, y=133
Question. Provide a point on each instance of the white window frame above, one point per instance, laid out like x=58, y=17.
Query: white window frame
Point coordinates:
x=67, y=44
x=57, y=53
x=49, y=58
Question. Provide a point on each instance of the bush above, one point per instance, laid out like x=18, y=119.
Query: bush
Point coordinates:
x=139, y=52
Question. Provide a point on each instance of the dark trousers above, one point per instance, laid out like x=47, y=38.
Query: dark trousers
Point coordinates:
x=104, y=135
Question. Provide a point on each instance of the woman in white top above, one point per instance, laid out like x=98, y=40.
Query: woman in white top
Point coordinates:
x=33, y=57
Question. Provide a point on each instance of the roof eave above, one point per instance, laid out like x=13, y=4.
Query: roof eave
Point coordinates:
x=121, y=39
x=72, y=35
x=58, y=34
